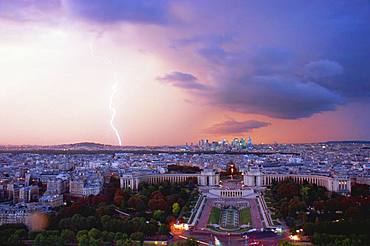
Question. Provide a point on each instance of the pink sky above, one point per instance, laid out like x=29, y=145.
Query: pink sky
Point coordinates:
x=56, y=82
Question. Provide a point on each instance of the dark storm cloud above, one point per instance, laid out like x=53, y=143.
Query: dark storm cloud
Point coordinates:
x=304, y=59
x=234, y=127
x=182, y=80
x=98, y=11
x=267, y=81
x=262, y=59
x=288, y=60
x=322, y=69
x=218, y=55
x=108, y=11
x=205, y=38
x=279, y=97
x=271, y=60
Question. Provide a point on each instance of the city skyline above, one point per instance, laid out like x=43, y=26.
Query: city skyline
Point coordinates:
x=284, y=72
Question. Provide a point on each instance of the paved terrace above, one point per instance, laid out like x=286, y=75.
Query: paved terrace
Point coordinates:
x=203, y=220
x=255, y=214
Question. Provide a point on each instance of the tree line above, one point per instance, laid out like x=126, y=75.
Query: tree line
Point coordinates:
x=327, y=218
x=115, y=216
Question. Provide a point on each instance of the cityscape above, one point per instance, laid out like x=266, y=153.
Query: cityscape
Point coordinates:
x=184, y=123
x=225, y=188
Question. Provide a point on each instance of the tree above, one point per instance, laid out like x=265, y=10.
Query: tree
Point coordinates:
x=157, y=204
x=94, y=242
x=81, y=234
x=15, y=240
x=105, y=219
x=32, y=235
x=157, y=195
x=107, y=236
x=48, y=238
x=112, y=224
x=118, y=197
x=175, y=208
x=120, y=236
x=138, y=224
x=137, y=236
x=106, y=210
x=124, y=242
x=360, y=190
x=158, y=215
x=94, y=233
x=171, y=199
x=151, y=228
x=65, y=223
x=309, y=228
x=287, y=189
x=79, y=222
x=304, y=192
x=83, y=240
x=164, y=229
x=67, y=235
x=40, y=239
x=353, y=213
x=21, y=233
x=137, y=202
x=92, y=221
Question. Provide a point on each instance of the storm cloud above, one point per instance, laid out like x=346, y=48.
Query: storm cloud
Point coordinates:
x=110, y=11
x=235, y=127
x=276, y=96
x=322, y=69
x=182, y=80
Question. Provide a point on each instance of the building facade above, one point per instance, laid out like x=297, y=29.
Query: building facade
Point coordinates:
x=207, y=177
x=255, y=178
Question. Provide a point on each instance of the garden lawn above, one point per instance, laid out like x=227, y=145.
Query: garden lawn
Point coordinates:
x=245, y=216
x=214, y=217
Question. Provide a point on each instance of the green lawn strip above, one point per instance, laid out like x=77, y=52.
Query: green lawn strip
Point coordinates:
x=214, y=217
x=245, y=216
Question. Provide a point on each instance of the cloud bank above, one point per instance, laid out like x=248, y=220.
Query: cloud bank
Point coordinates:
x=235, y=127
x=113, y=11
x=182, y=80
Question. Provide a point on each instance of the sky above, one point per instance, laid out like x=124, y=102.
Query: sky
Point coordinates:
x=278, y=71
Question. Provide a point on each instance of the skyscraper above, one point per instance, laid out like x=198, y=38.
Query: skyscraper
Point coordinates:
x=250, y=145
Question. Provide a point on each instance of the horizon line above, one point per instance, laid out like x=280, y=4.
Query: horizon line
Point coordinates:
x=176, y=145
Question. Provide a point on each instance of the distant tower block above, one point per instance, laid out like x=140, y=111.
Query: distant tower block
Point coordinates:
x=250, y=144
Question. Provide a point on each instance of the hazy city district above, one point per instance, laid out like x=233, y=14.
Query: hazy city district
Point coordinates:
x=212, y=193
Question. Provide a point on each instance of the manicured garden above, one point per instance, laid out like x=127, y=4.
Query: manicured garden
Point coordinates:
x=245, y=216
x=214, y=217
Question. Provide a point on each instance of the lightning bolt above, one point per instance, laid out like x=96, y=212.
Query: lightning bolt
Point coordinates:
x=113, y=112
x=112, y=109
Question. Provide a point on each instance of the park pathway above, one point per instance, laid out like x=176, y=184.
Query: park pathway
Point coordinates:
x=203, y=220
x=255, y=214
